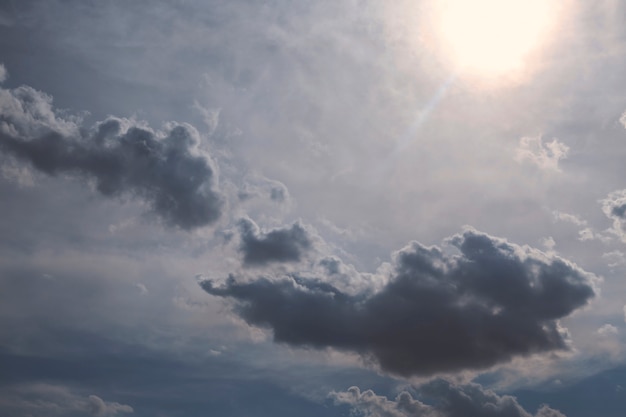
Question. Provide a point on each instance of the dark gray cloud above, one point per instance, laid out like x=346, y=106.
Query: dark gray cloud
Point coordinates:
x=619, y=210
x=449, y=400
x=279, y=192
x=436, y=312
x=277, y=245
x=167, y=170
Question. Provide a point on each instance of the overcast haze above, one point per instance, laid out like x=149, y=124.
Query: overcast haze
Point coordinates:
x=333, y=208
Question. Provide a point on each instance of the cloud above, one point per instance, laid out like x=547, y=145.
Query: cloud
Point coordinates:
x=584, y=234
x=258, y=186
x=278, y=192
x=614, y=207
x=569, y=218
x=607, y=330
x=435, y=312
x=165, y=169
x=449, y=400
x=622, y=119
x=277, y=245
x=614, y=259
x=3, y=73
x=143, y=290
x=545, y=155
x=56, y=400
x=98, y=407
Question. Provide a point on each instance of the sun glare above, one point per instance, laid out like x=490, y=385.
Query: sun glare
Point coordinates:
x=492, y=36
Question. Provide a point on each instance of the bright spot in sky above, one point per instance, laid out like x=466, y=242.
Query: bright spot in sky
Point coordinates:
x=492, y=36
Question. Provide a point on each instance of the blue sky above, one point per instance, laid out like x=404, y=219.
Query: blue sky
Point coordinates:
x=237, y=208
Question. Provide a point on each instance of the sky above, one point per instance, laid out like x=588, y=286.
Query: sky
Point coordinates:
x=333, y=208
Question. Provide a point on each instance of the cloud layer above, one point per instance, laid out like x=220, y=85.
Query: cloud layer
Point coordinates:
x=436, y=313
x=165, y=169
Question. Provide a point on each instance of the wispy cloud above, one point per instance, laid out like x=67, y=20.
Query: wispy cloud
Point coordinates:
x=546, y=155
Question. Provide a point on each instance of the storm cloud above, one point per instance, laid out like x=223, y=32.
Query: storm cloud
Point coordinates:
x=436, y=313
x=165, y=169
x=277, y=245
x=470, y=400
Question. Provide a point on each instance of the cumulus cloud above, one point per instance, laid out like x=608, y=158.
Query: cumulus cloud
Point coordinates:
x=57, y=400
x=614, y=207
x=277, y=245
x=449, y=400
x=165, y=169
x=545, y=155
x=435, y=313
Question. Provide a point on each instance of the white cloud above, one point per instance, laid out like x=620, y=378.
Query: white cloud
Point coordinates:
x=545, y=155
x=622, y=119
x=607, y=329
x=570, y=218
x=614, y=258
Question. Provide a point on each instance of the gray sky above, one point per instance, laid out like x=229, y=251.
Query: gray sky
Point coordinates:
x=240, y=208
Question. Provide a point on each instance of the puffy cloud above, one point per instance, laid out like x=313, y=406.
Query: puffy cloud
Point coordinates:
x=277, y=245
x=27, y=113
x=614, y=207
x=449, y=400
x=166, y=169
x=371, y=405
x=435, y=313
x=545, y=155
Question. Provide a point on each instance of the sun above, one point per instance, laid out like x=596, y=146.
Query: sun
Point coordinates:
x=489, y=37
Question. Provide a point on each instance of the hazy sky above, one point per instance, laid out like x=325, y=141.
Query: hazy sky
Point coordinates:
x=333, y=208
